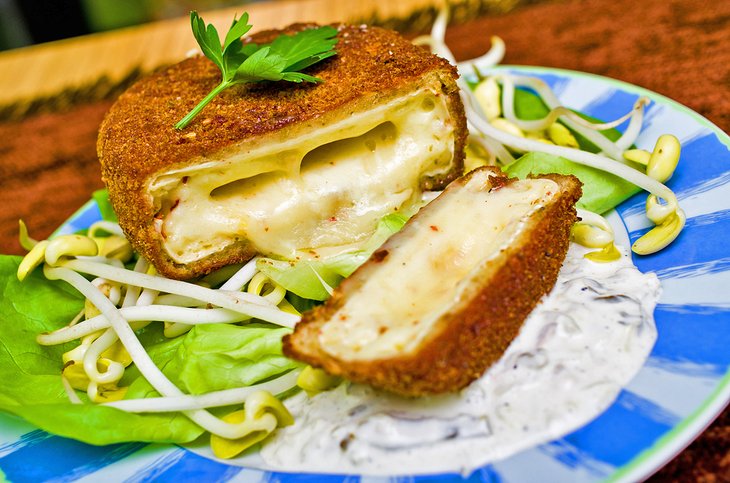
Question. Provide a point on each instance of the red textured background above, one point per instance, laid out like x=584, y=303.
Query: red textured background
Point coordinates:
x=681, y=49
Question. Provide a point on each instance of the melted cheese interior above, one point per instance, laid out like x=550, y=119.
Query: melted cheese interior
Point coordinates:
x=320, y=191
x=425, y=272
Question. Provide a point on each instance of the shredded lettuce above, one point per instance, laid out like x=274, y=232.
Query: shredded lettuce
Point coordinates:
x=313, y=279
x=309, y=279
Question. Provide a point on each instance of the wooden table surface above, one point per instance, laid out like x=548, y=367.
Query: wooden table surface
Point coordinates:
x=53, y=96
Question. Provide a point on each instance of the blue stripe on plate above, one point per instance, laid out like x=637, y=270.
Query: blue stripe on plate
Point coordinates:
x=678, y=387
x=81, y=220
x=42, y=457
x=151, y=471
x=574, y=459
x=280, y=477
x=185, y=465
x=25, y=439
x=697, y=334
x=701, y=272
x=88, y=217
x=612, y=106
x=702, y=240
x=544, y=463
x=628, y=427
x=709, y=151
x=706, y=149
x=711, y=219
x=486, y=474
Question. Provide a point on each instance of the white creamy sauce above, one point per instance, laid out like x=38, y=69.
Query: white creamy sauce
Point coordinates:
x=585, y=341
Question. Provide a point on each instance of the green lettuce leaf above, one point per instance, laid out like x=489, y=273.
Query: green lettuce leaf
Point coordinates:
x=206, y=358
x=307, y=278
x=33, y=387
x=221, y=356
x=601, y=191
x=105, y=207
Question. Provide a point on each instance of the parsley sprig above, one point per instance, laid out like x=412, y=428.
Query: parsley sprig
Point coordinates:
x=282, y=59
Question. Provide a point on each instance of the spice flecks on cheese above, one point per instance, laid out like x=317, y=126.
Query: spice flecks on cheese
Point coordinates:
x=395, y=309
x=282, y=196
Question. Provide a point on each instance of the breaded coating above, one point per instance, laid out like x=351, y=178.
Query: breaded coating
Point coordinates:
x=474, y=331
x=137, y=139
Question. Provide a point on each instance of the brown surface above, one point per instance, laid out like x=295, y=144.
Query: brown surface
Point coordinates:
x=48, y=169
x=138, y=141
x=474, y=332
x=678, y=48
x=675, y=47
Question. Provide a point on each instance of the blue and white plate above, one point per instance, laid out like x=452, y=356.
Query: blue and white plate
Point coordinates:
x=684, y=384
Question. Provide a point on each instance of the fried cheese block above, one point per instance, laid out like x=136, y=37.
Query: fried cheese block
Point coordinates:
x=442, y=299
x=276, y=168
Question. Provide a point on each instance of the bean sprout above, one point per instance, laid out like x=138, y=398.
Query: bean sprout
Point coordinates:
x=608, y=148
x=242, y=276
x=226, y=397
x=119, y=301
x=635, y=116
x=138, y=354
x=594, y=231
x=162, y=313
x=25, y=241
x=107, y=226
x=72, y=396
x=582, y=157
x=248, y=304
x=483, y=107
x=114, y=370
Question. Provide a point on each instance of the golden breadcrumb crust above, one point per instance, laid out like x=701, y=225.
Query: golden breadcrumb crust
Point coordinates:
x=137, y=138
x=478, y=329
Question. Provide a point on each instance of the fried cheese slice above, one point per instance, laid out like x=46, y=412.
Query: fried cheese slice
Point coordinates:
x=442, y=299
x=288, y=171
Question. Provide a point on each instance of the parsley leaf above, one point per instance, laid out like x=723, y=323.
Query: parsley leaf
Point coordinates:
x=282, y=59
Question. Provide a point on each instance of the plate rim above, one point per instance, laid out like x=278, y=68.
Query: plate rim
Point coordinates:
x=680, y=436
